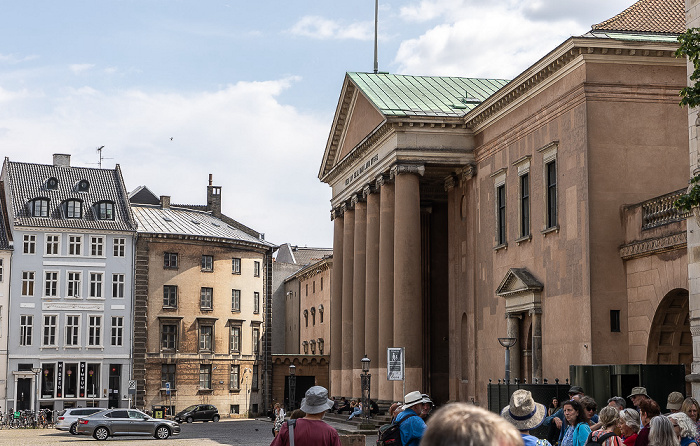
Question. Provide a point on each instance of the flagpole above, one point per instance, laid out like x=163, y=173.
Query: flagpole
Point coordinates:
x=376, y=13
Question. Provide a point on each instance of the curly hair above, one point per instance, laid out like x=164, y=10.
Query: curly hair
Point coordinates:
x=462, y=424
x=582, y=417
x=608, y=416
x=688, y=428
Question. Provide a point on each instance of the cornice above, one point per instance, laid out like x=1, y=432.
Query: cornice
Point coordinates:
x=646, y=248
x=399, y=169
x=160, y=237
x=341, y=116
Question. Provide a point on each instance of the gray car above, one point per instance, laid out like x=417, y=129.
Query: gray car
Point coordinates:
x=114, y=422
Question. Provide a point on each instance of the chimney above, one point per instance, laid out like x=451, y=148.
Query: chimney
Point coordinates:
x=213, y=198
x=61, y=160
x=165, y=201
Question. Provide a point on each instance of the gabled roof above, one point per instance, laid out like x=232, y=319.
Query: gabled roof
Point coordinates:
x=654, y=16
x=143, y=195
x=518, y=280
x=187, y=222
x=4, y=222
x=27, y=181
x=288, y=253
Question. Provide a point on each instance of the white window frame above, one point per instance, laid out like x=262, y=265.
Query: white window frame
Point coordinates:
x=97, y=243
x=118, y=283
x=236, y=265
x=79, y=285
x=233, y=348
x=208, y=368
x=256, y=302
x=75, y=245
x=100, y=285
x=235, y=377
x=256, y=269
x=26, y=330
x=119, y=247
x=208, y=293
x=94, y=338
x=255, y=344
x=52, y=243
x=117, y=331
x=28, y=278
x=68, y=327
x=235, y=301
x=204, y=349
x=56, y=283
x=29, y=244
x=45, y=327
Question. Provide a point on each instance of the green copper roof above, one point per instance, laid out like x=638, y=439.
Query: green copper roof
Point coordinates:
x=401, y=95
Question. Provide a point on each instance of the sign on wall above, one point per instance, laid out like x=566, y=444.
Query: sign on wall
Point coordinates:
x=395, y=364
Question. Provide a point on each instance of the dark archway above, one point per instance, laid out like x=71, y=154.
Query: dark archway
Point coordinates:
x=670, y=341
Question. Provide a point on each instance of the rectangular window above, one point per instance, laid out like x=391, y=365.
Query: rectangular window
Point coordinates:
x=236, y=300
x=256, y=302
x=96, y=285
x=118, y=286
x=26, y=325
x=206, y=333
x=168, y=337
x=74, y=284
x=256, y=340
x=170, y=296
x=29, y=244
x=254, y=382
x=236, y=265
x=27, y=283
x=501, y=215
x=551, y=172
x=75, y=245
x=170, y=260
x=119, y=247
x=208, y=263
x=205, y=376
x=94, y=331
x=51, y=283
x=235, y=381
x=206, y=298
x=524, y=205
x=50, y=327
x=307, y=289
x=52, y=247
x=117, y=330
x=235, y=339
x=97, y=246
x=167, y=375
x=321, y=283
x=2, y=270
x=256, y=269
x=72, y=331
x=615, y=321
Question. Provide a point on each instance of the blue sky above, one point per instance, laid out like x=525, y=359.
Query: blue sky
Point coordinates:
x=246, y=90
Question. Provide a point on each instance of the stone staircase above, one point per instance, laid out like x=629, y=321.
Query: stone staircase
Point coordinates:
x=358, y=425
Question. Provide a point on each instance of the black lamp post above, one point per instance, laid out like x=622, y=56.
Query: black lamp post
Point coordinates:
x=507, y=343
x=365, y=385
x=292, y=386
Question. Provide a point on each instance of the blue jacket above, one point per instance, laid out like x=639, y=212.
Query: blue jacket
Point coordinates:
x=412, y=430
x=560, y=414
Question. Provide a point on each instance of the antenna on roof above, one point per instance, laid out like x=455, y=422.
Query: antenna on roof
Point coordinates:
x=99, y=151
x=376, y=14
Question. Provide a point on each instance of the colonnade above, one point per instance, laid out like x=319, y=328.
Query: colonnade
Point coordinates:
x=376, y=284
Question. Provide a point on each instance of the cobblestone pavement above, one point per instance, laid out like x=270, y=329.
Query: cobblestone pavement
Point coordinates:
x=225, y=432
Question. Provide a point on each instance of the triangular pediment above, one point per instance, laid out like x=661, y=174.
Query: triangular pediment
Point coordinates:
x=517, y=281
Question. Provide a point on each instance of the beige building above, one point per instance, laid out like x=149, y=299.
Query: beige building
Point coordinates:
x=202, y=308
x=466, y=210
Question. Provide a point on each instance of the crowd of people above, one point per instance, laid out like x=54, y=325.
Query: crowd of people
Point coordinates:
x=575, y=422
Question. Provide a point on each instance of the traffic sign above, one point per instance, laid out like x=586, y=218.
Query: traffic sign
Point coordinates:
x=132, y=387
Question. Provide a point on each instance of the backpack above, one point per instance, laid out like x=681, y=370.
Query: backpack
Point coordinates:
x=600, y=440
x=390, y=434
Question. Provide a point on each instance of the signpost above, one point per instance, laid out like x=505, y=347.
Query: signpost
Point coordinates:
x=132, y=390
x=396, y=365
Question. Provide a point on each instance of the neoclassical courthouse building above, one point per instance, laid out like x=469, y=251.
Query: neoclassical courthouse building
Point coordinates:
x=465, y=210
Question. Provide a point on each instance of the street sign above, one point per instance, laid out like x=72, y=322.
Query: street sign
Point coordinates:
x=132, y=387
x=167, y=388
x=395, y=364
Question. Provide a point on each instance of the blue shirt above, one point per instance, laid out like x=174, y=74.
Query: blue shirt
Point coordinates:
x=412, y=430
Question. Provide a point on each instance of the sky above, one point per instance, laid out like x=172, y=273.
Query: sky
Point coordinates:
x=176, y=90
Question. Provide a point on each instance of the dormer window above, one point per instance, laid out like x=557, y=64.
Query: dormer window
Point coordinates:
x=105, y=210
x=39, y=207
x=52, y=183
x=74, y=209
x=83, y=186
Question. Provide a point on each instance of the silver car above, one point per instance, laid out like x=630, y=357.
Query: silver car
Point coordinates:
x=114, y=422
x=67, y=420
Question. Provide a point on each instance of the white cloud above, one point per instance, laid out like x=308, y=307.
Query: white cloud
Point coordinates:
x=322, y=28
x=12, y=59
x=263, y=153
x=79, y=68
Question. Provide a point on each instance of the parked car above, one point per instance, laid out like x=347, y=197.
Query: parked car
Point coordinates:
x=116, y=422
x=198, y=412
x=67, y=420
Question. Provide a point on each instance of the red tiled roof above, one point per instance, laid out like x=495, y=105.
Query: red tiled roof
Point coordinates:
x=654, y=16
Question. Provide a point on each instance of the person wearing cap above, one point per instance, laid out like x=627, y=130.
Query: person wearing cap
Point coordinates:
x=638, y=395
x=427, y=407
x=525, y=414
x=311, y=430
x=413, y=428
x=674, y=402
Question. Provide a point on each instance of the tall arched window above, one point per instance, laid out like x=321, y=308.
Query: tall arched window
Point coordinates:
x=306, y=317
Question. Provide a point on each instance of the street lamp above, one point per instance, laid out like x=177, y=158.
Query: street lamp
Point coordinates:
x=292, y=386
x=365, y=385
x=507, y=343
x=91, y=372
x=36, y=371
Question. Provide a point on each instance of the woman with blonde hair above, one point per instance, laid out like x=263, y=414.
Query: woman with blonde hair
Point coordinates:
x=629, y=424
x=691, y=408
x=608, y=418
x=684, y=427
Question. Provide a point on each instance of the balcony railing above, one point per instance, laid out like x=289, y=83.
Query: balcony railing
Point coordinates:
x=660, y=211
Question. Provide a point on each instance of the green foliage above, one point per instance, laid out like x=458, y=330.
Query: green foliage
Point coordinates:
x=690, y=96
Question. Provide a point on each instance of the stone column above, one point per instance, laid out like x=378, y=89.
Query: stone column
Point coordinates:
x=372, y=288
x=358, y=293
x=336, y=306
x=348, y=267
x=536, y=344
x=513, y=331
x=386, y=283
x=408, y=305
